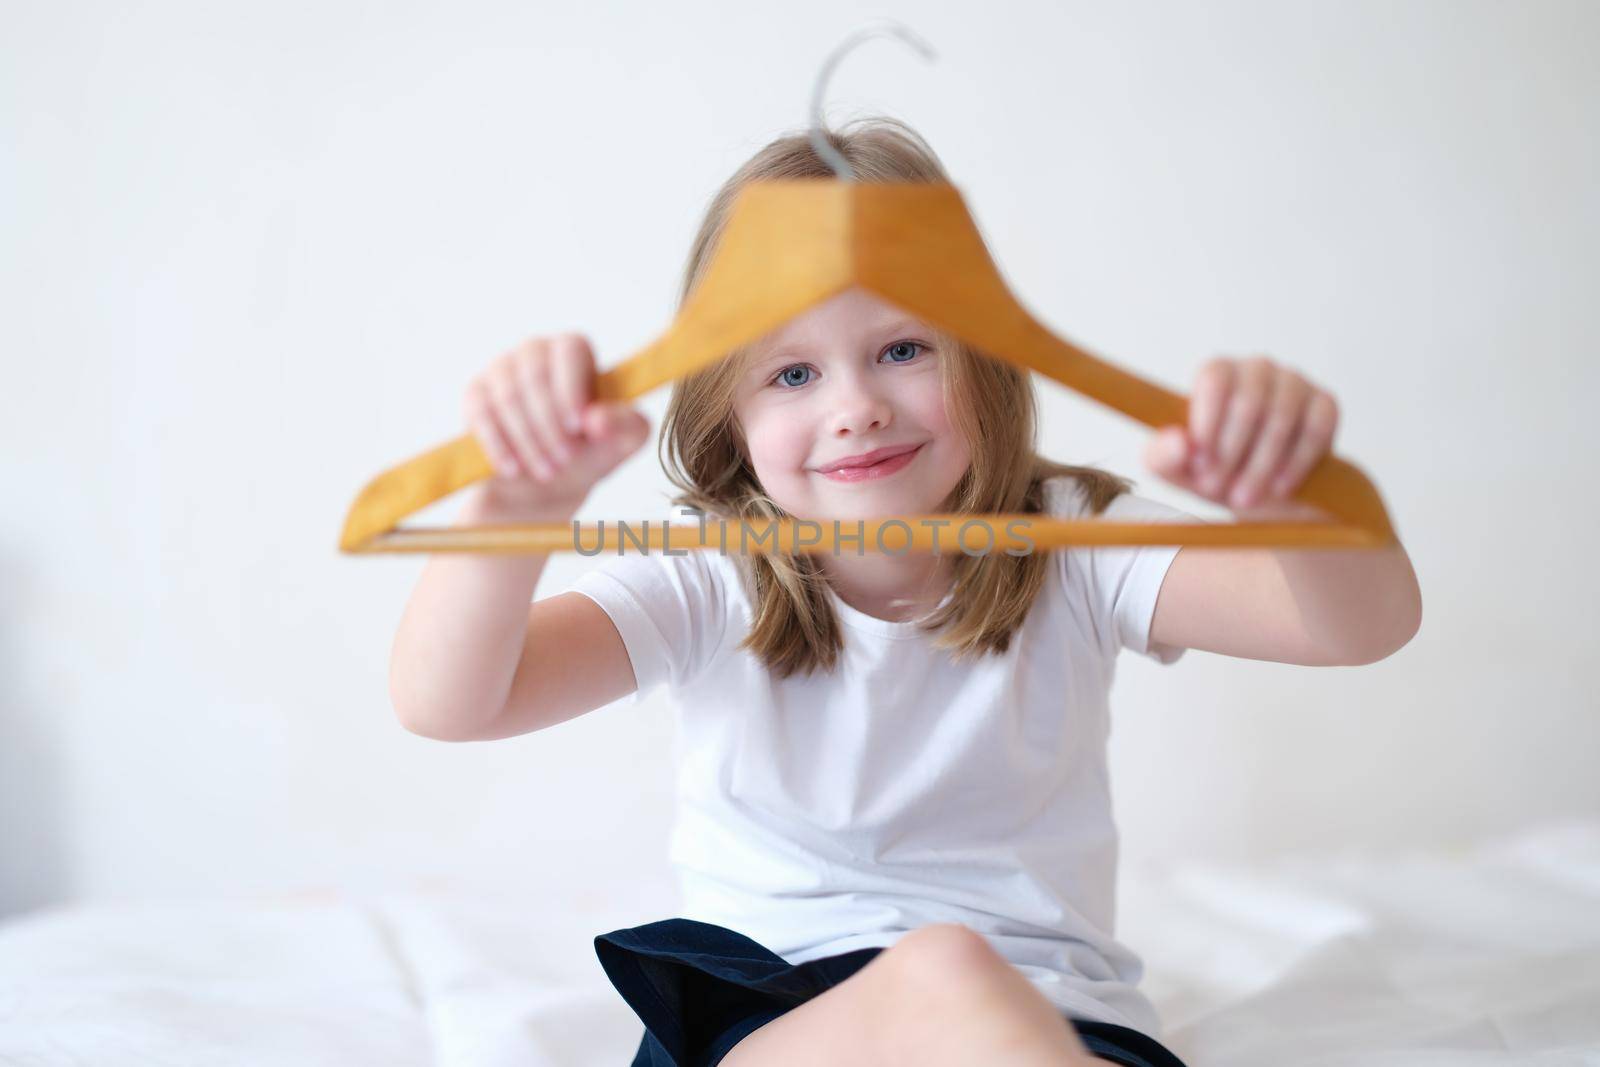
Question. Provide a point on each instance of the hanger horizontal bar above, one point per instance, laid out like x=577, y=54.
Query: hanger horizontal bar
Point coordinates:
x=1017, y=533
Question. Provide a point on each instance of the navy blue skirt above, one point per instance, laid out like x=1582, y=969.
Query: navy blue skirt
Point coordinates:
x=700, y=989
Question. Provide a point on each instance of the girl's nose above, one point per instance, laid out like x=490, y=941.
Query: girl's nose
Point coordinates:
x=856, y=408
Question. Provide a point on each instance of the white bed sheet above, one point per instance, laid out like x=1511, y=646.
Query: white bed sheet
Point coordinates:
x=1488, y=955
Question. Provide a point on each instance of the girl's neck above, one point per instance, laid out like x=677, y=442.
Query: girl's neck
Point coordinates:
x=894, y=588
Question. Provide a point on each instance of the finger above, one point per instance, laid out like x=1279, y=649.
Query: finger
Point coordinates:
x=572, y=378
x=1211, y=390
x=494, y=443
x=1168, y=454
x=508, y=409
x=624, y=430
x=1285, y=413
x=599, y=452
x=622, y=422
x=539, y=399
x=600, y=421
x=1316, y=438
x=1246, y=406
x=592, y=422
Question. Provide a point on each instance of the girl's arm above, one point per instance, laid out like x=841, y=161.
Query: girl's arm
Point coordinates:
x=473, y=660
x=1316, y=607
x=1255, y=431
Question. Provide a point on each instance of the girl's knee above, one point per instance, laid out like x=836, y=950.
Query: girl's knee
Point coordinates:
x=947, y=980
x=948, y=952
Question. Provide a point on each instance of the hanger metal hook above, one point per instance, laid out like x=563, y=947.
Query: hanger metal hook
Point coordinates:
x=890, y=29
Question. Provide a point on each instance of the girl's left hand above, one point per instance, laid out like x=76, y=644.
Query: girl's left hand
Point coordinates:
x=1256, y=429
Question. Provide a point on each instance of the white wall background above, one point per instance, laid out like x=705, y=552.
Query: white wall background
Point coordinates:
x=251, y=255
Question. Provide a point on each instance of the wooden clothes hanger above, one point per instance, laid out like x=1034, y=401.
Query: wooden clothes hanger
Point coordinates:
x=788, y=246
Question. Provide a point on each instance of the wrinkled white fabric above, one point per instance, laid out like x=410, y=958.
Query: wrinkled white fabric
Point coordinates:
x=1488, y=955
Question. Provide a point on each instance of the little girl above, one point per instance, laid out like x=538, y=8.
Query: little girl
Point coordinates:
x=894, y=833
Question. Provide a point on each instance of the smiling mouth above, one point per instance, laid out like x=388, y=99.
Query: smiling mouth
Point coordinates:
x=880, y=469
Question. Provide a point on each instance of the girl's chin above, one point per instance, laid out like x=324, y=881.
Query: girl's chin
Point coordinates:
x=857, y=502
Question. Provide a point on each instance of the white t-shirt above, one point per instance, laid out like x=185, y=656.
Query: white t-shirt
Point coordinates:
x=824, y=813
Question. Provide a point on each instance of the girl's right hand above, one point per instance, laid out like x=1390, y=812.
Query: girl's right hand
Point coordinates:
x=533, y=411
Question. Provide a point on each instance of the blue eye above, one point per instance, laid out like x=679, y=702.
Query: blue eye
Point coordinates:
x=783, y=377
x=783, y=374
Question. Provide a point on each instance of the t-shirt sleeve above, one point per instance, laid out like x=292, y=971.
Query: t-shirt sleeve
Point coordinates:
x=1123, y=581
x=671, y=611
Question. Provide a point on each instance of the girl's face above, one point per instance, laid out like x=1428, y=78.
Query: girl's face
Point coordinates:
x=851, y=376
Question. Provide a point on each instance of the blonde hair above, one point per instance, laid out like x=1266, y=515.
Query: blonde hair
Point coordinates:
x=794, y=627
